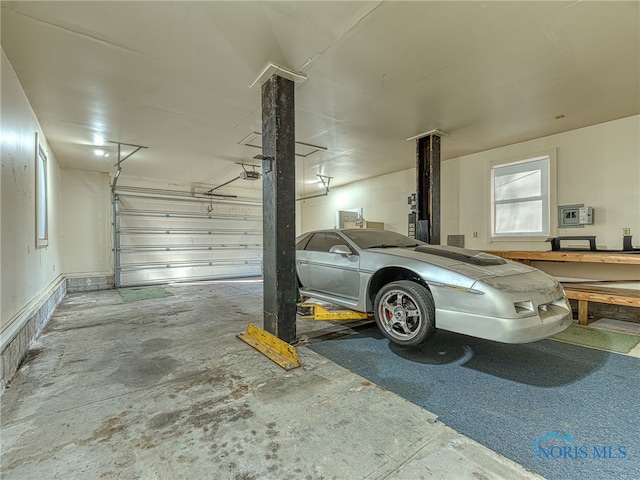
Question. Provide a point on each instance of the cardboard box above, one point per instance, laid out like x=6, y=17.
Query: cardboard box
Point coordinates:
x=364, y=224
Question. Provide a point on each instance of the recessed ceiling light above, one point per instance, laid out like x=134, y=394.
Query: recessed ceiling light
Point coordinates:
x=100, y=153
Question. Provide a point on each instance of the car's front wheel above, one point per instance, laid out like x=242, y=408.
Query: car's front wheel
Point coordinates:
x=405, y=313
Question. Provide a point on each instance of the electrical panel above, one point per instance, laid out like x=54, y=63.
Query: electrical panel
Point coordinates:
x=411, y=201
x=574, y=216
x=585, y=216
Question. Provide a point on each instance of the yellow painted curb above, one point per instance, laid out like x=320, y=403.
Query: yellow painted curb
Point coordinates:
x=271, y=346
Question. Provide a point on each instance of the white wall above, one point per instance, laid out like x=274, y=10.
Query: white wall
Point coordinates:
x=28, y=273
x=598, y=166
x=86, y=232
x=383, y=199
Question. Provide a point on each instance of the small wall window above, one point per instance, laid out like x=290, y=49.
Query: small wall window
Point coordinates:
x=42, y=221
x=520, y=198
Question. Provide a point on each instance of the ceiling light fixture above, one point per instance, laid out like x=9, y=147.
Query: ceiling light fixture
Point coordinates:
x=437, y=132
x=98, y=140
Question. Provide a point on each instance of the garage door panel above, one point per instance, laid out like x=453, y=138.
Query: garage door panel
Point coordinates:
x=163, y=256
x=160, y=276
x=163, y=239
x=195, y=225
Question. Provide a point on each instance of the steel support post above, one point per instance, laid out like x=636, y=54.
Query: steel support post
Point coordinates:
x=428, y=189
x=278, y=204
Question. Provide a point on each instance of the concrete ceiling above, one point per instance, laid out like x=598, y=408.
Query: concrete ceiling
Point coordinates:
x=175, y=76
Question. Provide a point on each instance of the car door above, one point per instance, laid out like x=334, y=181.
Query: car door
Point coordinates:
x=327, y=272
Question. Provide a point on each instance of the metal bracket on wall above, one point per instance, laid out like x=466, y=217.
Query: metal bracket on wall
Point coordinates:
x=121, y=159
x=267, y=163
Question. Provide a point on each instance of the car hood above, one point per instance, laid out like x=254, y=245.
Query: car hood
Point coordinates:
x=472, y=263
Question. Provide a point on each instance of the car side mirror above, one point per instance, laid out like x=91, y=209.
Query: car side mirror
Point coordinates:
x=341, y=249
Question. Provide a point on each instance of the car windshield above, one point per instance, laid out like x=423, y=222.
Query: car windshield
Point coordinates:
x=371, y=238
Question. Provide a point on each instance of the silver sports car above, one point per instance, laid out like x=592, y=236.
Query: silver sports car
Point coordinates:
x=413, y=287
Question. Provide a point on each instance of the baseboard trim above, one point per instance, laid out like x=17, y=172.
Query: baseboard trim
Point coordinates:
x=90, y=283
x=26, y=326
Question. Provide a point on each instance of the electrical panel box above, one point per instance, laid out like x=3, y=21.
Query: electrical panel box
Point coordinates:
x=412, y=225
x=585, y=216
x=411, y=201
x=576, y=216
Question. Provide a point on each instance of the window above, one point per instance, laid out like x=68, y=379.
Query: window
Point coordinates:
x=371, y=238
x=322, y=242
x=520, y=198
x=42, y=224
x=302, y=241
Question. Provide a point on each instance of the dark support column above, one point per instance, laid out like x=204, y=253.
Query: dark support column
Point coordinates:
x=278, y=197
x=428, y=189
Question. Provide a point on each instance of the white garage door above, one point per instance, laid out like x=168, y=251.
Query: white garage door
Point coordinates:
x=164, y=238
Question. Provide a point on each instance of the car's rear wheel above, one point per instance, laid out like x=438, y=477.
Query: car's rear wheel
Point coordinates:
x=405, y=313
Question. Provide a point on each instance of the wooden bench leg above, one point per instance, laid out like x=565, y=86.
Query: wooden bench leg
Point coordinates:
x=582, y=312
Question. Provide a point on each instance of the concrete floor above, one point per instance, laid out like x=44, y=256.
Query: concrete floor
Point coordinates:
x=162, y=389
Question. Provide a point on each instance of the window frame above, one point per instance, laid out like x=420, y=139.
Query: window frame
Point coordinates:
x=549, y=203
x=42, y=195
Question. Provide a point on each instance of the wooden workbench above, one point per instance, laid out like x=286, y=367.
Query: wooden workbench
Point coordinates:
x=600, y=292
x=583, y=257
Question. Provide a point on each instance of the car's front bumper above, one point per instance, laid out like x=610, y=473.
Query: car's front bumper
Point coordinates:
x=507, y=330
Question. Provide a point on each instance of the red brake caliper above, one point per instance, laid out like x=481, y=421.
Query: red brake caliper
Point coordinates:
x=389, y=313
